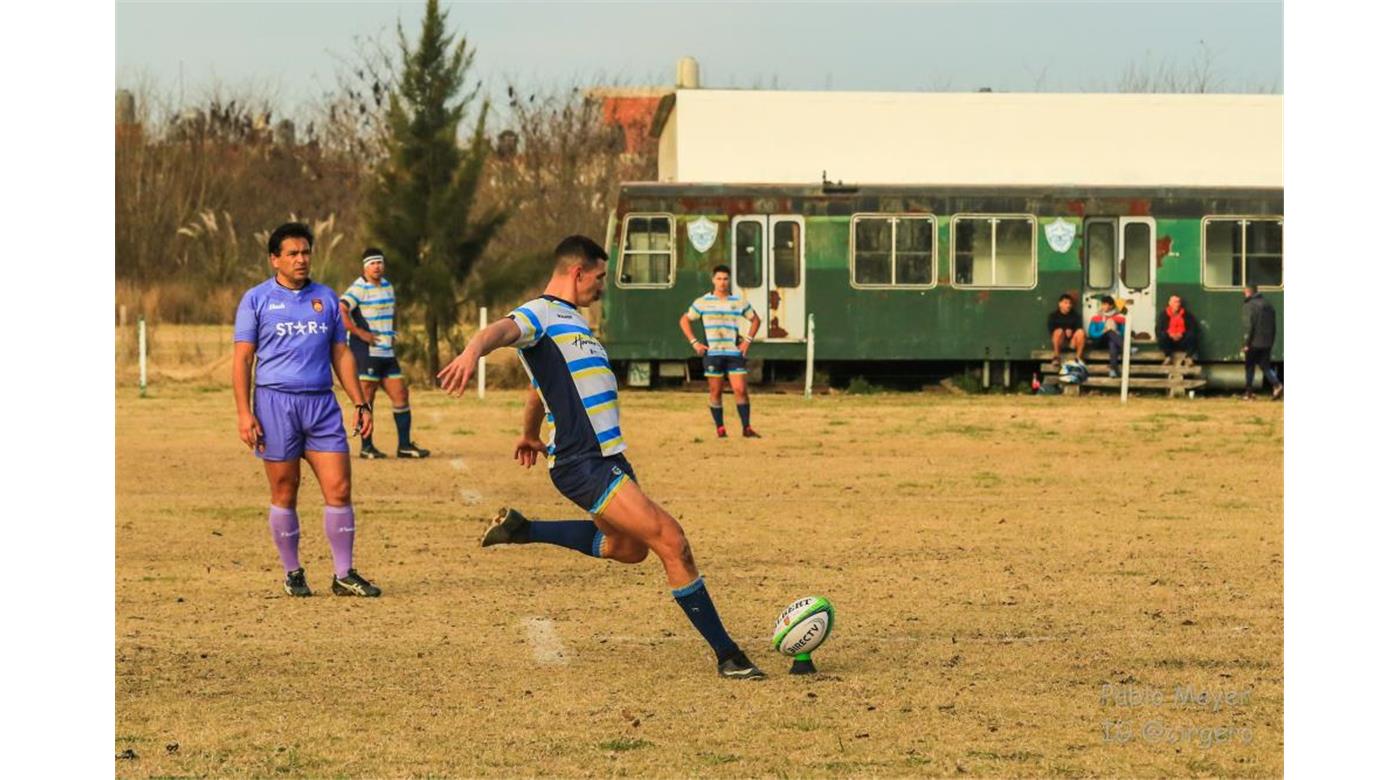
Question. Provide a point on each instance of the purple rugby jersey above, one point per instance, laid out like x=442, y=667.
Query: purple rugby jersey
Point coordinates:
x=292, y=331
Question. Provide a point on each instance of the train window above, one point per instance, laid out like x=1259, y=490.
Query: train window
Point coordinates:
x=647, y=252
x=1100, y=255
x=994, y=251
x=748, y=254
x=892, y=251
x=1242, y=250
x=787, y=253
x=1137, y=255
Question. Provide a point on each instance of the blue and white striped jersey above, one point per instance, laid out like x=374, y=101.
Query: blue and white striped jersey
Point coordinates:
x=724, y=320
x=375, y=305
x=569, y=369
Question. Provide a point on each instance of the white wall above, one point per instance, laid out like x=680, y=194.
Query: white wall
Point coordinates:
x=742, y=137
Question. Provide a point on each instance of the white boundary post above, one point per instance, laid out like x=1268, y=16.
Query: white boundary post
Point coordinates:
x=141, y=347
x=1127, y=353
x=481, y=364
x=811, y=353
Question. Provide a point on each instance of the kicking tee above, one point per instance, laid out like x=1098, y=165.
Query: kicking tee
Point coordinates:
x=292, y=332
x=569, y=369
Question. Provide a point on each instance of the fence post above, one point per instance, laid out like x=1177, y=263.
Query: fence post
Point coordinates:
x=811, y=353
x=1127, y=353
x=141, y=348
x=481, y=364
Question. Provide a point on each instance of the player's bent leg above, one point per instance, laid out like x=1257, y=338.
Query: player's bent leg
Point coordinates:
x=635, y=515
x=332, y=470
x=617, y=546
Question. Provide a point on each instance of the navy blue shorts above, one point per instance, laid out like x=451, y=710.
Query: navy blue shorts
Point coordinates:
x=719, y=365
x=373, y=369
x=591, y=482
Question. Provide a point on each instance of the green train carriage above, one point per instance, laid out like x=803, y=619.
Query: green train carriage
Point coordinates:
x=908, y=275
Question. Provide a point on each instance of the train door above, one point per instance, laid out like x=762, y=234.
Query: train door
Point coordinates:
x=1120, y=259
x=768, y=261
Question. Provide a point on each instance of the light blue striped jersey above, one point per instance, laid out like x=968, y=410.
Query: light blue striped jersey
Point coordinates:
x=724, y=320
x=375, y=306
x=569, y=369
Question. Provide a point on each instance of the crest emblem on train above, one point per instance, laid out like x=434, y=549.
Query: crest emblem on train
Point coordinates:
x=702, y=234
x=1059, y=234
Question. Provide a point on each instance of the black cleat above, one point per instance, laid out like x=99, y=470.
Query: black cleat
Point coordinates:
x=507, y=527
x=352, y=584
x=295, y=584
x=737, y=666
x=412, y=451
x=750, y=433
x=370, y=452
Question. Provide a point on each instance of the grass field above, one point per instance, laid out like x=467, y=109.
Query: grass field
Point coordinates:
x=1022, y=585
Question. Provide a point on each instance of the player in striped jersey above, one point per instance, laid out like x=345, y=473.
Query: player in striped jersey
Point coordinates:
x=368, y=310
x=574, y=389
x=726, y=347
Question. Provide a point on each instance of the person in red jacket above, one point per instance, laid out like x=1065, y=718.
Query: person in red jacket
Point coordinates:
x=1178, y=331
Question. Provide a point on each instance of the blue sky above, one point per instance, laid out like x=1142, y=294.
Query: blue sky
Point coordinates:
x=290, y=51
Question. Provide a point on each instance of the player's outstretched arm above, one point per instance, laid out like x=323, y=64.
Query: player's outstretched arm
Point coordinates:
x=453, y=378
x=343, y=362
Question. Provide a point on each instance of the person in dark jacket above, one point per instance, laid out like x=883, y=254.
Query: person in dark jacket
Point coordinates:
x=1066, y=329
x=1177, y=331
x=1260, y=324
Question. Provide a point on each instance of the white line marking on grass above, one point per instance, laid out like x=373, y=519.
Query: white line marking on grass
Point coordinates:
x=457, y=464
x=469, y=497
x=545, y=642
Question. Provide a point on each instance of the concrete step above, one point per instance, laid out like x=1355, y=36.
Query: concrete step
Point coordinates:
x=1145, y=383
x=1137, y=369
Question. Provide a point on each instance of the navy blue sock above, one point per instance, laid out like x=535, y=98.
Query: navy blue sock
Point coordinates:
x=744, y=414
x=403, y=419
x=717, y=412
x=580, y=535
x=695, y=601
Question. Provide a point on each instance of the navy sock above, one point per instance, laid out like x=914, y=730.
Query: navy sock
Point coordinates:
x=580, y=535
x=744, y=414
x=695, y=601
x=403, y=419
x=717, y=412
x=367, y=443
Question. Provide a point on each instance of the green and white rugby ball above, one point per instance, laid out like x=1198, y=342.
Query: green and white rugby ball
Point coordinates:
x=803, y=626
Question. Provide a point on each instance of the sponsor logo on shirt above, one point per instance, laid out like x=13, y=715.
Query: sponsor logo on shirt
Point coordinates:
x=310, y=327
x=275, y=306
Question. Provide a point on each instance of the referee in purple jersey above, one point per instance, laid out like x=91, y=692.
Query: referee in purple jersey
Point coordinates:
x=293, y=327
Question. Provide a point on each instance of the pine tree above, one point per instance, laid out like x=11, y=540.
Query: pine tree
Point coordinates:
x=421, y=200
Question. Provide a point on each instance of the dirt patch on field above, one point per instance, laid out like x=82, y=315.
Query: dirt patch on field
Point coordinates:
x=1024, y=586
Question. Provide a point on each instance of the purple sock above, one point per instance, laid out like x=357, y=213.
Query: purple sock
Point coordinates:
x=286, y=532
x=340, y=530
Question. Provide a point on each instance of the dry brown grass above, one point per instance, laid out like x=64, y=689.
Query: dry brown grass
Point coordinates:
x=995, y=562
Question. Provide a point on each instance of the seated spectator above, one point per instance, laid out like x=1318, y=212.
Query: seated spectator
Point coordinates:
x=1106, y=328
x=1177, y=331
x=1066, y=329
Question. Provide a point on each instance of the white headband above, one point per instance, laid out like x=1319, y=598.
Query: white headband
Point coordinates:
x=374, y=259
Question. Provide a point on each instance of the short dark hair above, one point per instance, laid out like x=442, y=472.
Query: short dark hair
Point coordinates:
x=1251, y=288
x=578, y=248
x=285, y=231
x=371, y=251
x=720, y=269
x=1067, y=297
x=1108, y=299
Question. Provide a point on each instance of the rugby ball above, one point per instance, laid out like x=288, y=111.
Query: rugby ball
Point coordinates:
x=803, y=625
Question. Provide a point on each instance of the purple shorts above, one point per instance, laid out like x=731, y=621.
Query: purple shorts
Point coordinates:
x=295, y=422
